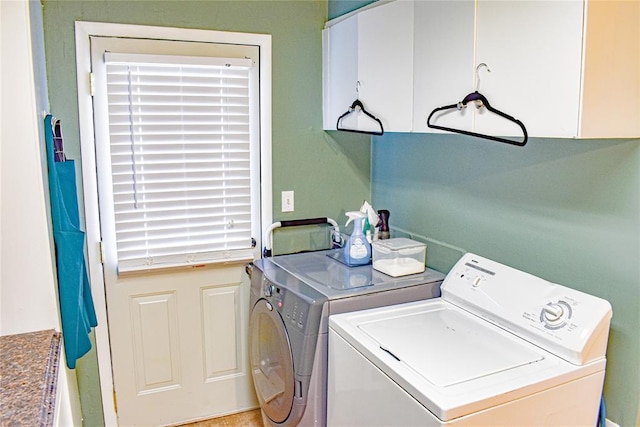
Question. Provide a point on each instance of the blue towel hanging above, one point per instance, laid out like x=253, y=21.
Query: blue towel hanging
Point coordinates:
x=76, y=304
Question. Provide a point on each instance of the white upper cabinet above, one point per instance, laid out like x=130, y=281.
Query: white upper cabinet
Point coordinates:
x=565, y=69
x=339, y=71
x=369, y=56
x=443, y=61
x=534, y=52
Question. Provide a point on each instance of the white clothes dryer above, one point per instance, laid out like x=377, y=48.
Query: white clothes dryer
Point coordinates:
x=292, y=297
x=499, y=347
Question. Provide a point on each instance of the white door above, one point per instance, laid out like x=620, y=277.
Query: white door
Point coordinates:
x=177, y=311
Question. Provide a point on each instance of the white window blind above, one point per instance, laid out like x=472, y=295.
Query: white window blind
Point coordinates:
x=180, y=158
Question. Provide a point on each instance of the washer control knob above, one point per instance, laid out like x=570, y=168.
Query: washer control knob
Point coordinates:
x=268, y=289
x=555, y=315
x=553, y=312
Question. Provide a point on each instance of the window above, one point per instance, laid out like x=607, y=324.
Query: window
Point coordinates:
x=180, y=156
x=178, y=153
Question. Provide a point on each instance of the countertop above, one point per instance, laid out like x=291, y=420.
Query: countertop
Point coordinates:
x=28, y=378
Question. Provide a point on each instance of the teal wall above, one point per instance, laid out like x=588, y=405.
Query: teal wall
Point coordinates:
x=565, y=210
x=329, y=172
x=340, y=7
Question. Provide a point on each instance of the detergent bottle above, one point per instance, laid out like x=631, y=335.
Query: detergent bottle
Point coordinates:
x=357, y=250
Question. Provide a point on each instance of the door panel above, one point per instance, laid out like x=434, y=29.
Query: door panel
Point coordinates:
x=221, y=331
x=156, y=353
x=179, y=347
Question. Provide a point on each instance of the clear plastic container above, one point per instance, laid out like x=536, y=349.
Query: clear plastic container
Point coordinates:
x=399, y=256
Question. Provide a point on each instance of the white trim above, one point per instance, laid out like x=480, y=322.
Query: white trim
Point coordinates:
x=583, y=61
x=198, y=61
x=83, y=30
x=179, y=262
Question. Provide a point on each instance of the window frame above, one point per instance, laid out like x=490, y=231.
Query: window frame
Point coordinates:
x=158, y=250
x=83, y=31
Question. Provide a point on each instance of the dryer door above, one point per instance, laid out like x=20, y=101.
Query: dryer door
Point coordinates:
x=271, y=361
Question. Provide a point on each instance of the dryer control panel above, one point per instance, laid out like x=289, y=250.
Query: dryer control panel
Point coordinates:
x=300, y=310
x=292, y=308
x=566, y=322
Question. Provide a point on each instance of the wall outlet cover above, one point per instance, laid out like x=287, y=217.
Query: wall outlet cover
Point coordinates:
x=287, y=201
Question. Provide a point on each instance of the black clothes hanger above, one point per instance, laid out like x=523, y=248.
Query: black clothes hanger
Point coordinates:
x=58, y=143
x=357, y=105
x=478, y=97
x=481, y=101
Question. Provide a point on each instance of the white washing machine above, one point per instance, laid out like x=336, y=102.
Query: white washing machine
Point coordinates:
x=499, y=347
x=292, y=297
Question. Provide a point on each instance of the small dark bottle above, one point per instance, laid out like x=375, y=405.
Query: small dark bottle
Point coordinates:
x=383, y=224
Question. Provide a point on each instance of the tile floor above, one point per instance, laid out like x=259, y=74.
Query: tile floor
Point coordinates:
x=243, y=419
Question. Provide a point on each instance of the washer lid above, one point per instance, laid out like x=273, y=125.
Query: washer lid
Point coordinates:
x=446, y=347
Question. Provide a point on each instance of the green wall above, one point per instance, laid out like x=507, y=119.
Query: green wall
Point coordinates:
x=565, y=210
x=329, y=172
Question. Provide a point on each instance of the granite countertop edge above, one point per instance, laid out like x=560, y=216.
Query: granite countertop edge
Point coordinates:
x=29, y=364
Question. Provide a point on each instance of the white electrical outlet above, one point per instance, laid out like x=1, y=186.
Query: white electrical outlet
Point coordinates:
x=287, y=201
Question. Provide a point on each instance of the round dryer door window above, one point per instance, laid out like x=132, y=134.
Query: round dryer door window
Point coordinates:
x=271, y=361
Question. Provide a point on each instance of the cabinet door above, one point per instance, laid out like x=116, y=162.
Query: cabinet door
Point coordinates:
x=534, y=52
x=340, y=72
x=443, y=61
x=385, y=64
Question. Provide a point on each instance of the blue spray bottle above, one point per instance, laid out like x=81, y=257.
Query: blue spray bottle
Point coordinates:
x=357, y=250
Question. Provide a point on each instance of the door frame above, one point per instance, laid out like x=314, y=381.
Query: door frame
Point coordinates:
x=83, y=30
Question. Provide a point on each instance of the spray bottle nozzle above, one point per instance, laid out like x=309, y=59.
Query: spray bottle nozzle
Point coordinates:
x=354, y=215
